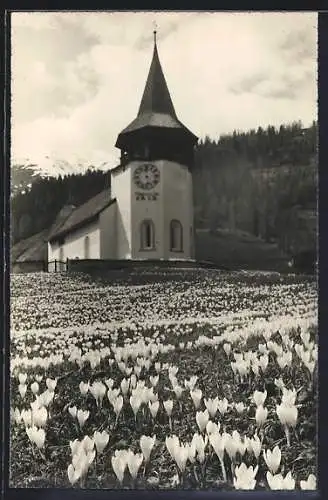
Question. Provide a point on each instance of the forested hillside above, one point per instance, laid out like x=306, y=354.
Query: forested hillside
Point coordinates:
x=257, y=181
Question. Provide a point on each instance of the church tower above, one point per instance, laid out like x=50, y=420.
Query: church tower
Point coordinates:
x=153, y=182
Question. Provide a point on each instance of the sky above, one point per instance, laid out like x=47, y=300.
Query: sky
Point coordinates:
x=78, y=78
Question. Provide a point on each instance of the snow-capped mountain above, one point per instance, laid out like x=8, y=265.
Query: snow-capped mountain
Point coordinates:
x=25, y=172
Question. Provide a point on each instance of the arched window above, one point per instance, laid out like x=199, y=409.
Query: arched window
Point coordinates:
x=87, y=247
x=176, y=237
x=147, y=235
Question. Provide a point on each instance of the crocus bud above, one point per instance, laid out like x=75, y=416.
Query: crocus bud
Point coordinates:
x=39, y=416
x=101, y=440
x=288, y=397
x=240, y=407
x=202, y=418
x=200, y=444
x=261, y=415
x=287, y=415
x=27, y=417
x=17, y=416
x=223, y=406
x=22, y=388
x=125, y=384
x=212, y=406
x=172, y=443
x=178, y=391
x=146, y=445
x=134, y=463
x=259, y=397
x=22, y=377
x=72, y=411
x=218, y=444
x=82, y=417
x=51, y=384
x=153, y=407
x=256, y=446
x=227, y=348
x=35, y=387
x=181, y=457
x=196, y=396
x=84, y=387
x=272, y=459
x=168, y=405
x=135, y=403
x=154, y=380
x=73, y=474
x=212, y=427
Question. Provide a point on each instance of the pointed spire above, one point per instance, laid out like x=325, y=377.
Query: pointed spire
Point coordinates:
x=155, y=32
x=156, y=97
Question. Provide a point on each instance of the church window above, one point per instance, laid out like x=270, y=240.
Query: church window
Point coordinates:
x=147, y=235
x=87, y=247
x=176, y=242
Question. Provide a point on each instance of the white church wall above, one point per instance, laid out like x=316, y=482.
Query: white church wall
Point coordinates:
x=74, y=244
x=146, y=209
x=177, y=198
x=107, y=224
x=121, y=190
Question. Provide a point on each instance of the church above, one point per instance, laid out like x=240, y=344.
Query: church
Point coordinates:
x=148, y=213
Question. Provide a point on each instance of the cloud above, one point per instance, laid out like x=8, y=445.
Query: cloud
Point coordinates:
x=78, y=78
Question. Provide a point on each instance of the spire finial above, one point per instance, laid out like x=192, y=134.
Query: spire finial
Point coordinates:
x=155, y=31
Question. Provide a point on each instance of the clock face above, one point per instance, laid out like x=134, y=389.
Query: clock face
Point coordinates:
x=146, y=176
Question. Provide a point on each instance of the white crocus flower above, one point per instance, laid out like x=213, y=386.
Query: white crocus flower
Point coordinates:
x=125, y=385
x=51, y=384
x=119, y=463
x=153, y=407
x=101, y=440
x=172, y=443
x=256, y=446
x=245, y=477
x=272, y=459
x=146, y=444
x=287, y=415
x=202, y=418
x=72, y=411
x=35, y=387
x=154, y=380
x=278, y=482
x=223, y=406
x=261, y=415
x=196, y=396
x=227, y=348
x=134, y=462
x=168, y=405
x=36, y=436
x=212, y=406
x=82, y=417
x=259, y=397
x=310, y=483
x=22, y=388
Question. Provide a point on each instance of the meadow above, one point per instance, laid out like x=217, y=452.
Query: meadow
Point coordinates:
x=194, y=379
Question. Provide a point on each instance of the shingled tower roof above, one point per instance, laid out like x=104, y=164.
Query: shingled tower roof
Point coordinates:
x=156, y=97
x=156, y=108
